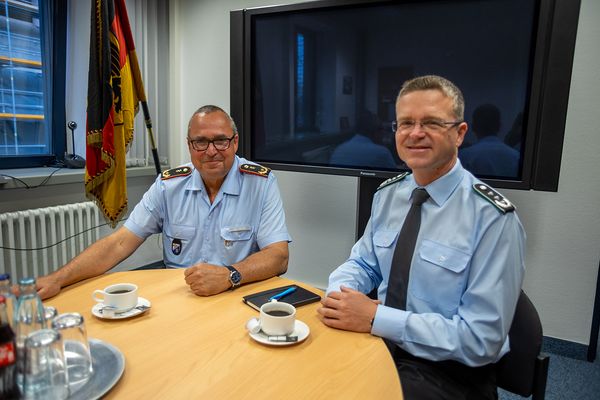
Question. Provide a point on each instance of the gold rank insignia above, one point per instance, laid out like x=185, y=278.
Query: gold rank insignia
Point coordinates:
x=176, y=172
x=255, y=170
x=499, y=201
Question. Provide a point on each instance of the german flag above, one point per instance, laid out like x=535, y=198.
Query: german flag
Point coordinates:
x=115, y=89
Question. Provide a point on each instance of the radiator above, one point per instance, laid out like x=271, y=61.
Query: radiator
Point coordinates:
x=37, y=242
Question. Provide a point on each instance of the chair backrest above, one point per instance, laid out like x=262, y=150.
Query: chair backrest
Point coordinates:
x=517, y=370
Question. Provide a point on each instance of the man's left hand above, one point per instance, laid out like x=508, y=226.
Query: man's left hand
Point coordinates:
x=207, y=279
x=348, y=309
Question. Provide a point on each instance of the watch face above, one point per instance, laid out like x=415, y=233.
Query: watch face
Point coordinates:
x=235, y=277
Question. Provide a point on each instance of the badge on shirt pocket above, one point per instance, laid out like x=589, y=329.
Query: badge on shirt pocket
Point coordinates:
x=176, y=246
x=233, y=234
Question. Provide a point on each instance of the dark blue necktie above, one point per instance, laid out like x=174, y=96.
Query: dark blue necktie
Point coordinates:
x=403, y=253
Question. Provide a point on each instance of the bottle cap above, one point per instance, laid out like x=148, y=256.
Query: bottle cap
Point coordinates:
x=26, y=281
x=2, y=299
x=4, y=277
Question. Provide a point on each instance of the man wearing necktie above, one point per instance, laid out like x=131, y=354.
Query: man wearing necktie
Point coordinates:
x=445, y=253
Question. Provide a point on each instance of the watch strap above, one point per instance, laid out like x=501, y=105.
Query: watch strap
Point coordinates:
x=235, y=277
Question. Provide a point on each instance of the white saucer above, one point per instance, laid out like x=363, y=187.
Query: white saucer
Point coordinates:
x=143, y=305
x=300, y=329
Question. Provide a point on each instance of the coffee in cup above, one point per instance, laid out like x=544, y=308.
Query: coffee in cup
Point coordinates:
x=120, y=297
x=277, y=318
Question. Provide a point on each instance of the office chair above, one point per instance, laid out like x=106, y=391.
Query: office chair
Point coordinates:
x=524, y=369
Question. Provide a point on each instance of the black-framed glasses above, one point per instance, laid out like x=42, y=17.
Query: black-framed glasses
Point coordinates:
x=427, y=125
x=202, y=144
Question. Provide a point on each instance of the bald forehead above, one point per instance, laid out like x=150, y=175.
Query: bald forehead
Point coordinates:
x=212, y=120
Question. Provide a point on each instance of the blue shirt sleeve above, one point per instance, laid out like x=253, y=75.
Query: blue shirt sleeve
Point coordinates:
x=272, y=226
x=361, y=271
x=146, y=218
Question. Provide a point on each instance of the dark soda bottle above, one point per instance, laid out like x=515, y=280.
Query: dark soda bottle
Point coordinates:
x=8, y=361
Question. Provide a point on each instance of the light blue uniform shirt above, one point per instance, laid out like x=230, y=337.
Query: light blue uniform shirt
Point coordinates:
x=246, y=216
x=465, y=275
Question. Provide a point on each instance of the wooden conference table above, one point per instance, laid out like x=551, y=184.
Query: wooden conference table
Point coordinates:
x=188, y=347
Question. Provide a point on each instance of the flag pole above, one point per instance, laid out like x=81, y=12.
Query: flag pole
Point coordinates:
x=135, y=69
x=148, y=122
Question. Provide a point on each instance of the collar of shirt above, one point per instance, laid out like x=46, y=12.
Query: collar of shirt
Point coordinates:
x=441, y=189
x=231, y=184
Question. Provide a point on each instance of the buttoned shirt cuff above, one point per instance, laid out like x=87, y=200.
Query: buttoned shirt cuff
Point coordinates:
x=336, y=287
x=390, y=323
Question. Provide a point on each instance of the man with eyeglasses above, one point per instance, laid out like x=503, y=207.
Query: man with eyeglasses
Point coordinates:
x=221, y=218
x=445, y=253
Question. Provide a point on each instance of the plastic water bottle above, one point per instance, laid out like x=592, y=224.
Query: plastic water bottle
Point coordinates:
x=8, y=374
x=29, y=316
x=5, y=290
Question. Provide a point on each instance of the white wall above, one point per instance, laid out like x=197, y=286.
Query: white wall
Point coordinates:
x=563, y=228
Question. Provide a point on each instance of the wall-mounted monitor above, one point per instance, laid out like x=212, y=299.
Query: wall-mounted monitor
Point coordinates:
x=314, y=85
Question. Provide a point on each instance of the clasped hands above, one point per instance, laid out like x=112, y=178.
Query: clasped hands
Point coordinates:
x=349, y=310
x=207, y=279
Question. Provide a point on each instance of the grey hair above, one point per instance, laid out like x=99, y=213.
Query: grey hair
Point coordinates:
x=208, y=109
x=434, y=82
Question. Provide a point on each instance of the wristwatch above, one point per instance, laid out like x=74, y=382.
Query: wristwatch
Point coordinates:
x=234, y=277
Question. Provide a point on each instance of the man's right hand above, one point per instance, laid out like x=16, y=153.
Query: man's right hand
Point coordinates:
x=47, y=287
x=207, y=279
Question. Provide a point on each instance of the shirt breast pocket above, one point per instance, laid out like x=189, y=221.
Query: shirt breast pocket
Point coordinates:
x=383, y=247
x=237, y=242
x=177, y=242
x=438, y=275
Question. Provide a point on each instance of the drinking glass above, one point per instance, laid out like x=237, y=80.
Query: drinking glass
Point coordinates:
x=28, y=317
x=77, y=350
x=45, y=373
x=50, y=312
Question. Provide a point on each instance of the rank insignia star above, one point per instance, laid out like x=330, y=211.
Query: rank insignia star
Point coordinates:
x=395, y=179
x=176, y=172
x=255, y=170
x=499, y=201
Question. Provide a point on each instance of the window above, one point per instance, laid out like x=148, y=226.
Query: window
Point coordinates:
x=305, y=81
x=32, y=38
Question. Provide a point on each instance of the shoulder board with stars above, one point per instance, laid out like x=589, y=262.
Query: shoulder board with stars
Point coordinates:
x=175, y=172
x=499, y=201
x=255, y=170
x=395, y=179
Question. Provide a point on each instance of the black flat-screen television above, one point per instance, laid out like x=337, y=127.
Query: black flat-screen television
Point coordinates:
x=314, y=85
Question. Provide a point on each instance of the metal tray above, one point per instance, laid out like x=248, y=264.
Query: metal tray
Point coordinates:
x=108, y=363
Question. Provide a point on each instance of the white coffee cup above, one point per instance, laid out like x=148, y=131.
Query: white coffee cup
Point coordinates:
x=120, y=297
x=277, y=318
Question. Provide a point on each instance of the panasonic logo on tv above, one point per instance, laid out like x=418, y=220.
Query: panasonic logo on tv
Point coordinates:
x=367, y=173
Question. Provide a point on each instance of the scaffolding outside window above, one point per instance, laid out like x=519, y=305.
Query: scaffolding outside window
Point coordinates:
x=23, y=129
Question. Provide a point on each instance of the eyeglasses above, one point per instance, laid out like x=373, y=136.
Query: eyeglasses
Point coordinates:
x=428, y=125
x=202, y=144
